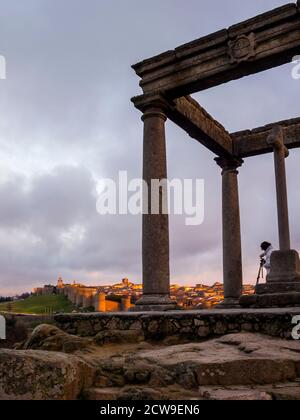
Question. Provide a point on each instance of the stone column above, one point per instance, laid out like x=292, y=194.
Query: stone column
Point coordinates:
x=232, y=250
x=283, y=282
x=156, y=272
x=285, y=263
x=276, y=140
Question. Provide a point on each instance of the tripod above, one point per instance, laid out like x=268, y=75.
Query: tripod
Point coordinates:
x=260, y=272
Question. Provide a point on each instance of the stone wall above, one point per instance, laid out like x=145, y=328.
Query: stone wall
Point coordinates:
x=193, y=325
x=88, y=297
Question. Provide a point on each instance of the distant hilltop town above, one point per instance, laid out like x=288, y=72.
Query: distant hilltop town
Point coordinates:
x=123, y=296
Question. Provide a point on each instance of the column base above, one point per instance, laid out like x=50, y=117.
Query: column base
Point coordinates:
x=282, y=288
x=229, y=303
x=154, y=303
x=285, y=267
x=271, y=300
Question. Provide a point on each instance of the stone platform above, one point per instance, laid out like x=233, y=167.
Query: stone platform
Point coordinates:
x=191, y=325
x=282, y=288
x=271, y=300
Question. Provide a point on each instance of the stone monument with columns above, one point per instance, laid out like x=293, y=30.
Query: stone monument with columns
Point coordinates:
x=167, y=82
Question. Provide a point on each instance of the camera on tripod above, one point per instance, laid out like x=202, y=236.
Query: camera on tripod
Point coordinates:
x=261, y=270
x=262, y=262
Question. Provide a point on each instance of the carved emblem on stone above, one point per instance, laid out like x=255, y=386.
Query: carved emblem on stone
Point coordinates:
x=242, y=48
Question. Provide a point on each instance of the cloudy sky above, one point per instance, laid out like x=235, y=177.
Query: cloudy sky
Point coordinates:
x=66, y=122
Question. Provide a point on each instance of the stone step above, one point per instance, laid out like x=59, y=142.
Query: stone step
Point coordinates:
x=289, y=391
x=279, y=287
x=142, y=393
x=285, y=391
x=238, y=359
x=235, y=394
x=101, y=394
x=271, y=300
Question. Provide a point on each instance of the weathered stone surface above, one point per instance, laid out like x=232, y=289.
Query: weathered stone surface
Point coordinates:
x=279, y=287
x=283, y=391
x=271, y=300
x=156, y=267
x=234, y=394
x=237, y=366
x=101, y=394
x=202, y=324
x=254, y=142
x=140, y=393
x=51, y=338
x=237, y=359
x=207, y=62
x=232, y=249
x=286, y=392
x=117, y=336
x=285, y=265
x=192, y=117
x=41, y=375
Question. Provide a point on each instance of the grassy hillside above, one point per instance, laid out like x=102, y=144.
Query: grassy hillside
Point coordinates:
x=39, y=305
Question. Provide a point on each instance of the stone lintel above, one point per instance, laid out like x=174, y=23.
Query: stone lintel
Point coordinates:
x=200, y=125
x=191, y=117
x=258, y=44
x=254, y=142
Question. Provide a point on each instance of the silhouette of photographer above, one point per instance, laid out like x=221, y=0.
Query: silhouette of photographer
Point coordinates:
x=266, y=255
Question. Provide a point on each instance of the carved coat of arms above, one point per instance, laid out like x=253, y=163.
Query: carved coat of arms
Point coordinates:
x=242, y=48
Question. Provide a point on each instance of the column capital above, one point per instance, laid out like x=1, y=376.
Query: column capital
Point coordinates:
x=154, y=113
x=151, y=103
x=229, y=164
x=276, y=140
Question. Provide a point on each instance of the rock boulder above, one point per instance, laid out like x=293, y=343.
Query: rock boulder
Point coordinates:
x=41, y=375
x=50, y=338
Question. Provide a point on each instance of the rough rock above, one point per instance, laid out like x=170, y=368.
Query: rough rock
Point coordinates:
x=239, y=359
x=234, y=394
x=285, y=391
x=118, y=336
x=42, y=375
x=138, y=393
x=100, y=394
x=238, y=366
x=50, y=338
